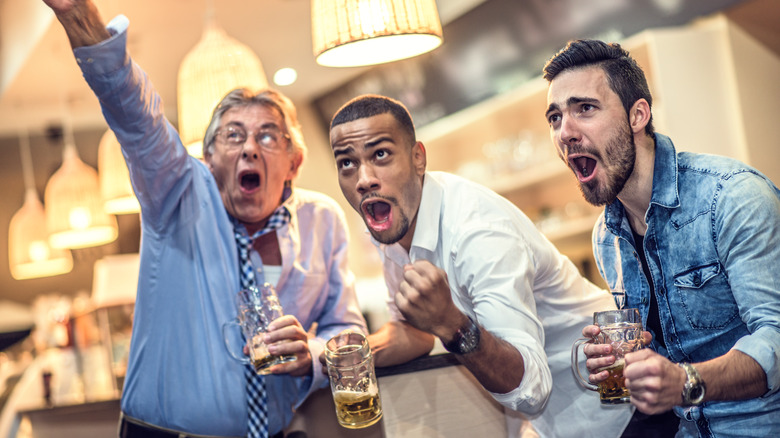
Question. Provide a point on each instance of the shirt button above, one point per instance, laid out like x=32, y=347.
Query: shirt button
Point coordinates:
x=90, y=60
x=696, y=279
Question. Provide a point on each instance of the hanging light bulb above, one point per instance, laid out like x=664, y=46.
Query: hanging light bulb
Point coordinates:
x=351, y=33
x=29, y=253
x=115, y=188
x=216, y=65
x=74, y=212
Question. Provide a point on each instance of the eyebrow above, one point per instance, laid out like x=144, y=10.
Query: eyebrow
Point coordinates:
x=263, y=126
x=574, y=100
x=368, y=145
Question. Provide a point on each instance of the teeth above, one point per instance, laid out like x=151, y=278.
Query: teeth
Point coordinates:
x=370, y=209
x=584, y=171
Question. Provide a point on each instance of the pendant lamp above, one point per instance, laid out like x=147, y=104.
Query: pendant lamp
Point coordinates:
x=351, y=33
x=215, y=66
x=115, y=188
x=74, y=212
x=29, y=253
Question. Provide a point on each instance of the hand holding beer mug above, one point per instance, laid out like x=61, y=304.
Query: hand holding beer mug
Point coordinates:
x=353, y=380
x=257, y=307
x=622, y=329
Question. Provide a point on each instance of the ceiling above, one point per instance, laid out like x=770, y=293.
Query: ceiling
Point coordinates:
x=40, y=85
x=39, y=79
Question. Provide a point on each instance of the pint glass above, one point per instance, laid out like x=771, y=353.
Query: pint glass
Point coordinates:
x=623, y=330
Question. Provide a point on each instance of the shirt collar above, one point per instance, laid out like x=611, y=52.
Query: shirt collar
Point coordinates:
x=426, y=230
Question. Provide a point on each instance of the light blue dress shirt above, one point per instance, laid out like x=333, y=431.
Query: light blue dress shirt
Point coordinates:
x=713, y=246
x=179, y=374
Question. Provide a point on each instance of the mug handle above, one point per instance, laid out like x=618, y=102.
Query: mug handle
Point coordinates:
x=575, y=366
x=243, y=359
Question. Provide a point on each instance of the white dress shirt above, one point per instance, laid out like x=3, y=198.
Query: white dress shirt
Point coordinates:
x=508, y=277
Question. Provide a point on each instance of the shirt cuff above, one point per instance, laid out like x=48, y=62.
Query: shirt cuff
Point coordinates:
x=763, y=346
x=318, y=380
x=534, y=390
x=108, y=55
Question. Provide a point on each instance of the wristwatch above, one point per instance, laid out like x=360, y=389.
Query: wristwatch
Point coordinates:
x=694, y=387
x=466, y=339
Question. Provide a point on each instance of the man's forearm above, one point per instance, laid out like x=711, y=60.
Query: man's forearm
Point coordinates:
x=83, y=25
x=496, y=364
x=398, y=342
x=733, y=376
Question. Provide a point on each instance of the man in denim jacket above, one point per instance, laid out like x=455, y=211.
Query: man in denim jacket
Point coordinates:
x=692, y=239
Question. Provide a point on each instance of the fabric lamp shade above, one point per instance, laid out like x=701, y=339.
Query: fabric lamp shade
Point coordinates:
x=115, y=188
x=74, y=211
x=351, y=33
x=29, y=253
x=214, y=67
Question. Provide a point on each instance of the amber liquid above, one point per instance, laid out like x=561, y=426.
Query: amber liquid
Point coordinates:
x=263, y=365
x=355, y=410
x=613, y=390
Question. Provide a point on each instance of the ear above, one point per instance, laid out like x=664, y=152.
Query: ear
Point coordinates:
x=639, y=116
x=295, y=165
x=419, y=158
x=207, y=160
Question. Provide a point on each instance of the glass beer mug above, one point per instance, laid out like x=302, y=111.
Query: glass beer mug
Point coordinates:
x=353, y=380
x=257, y=307
x=623, y=330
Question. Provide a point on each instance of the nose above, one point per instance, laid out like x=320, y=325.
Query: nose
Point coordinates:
x=367, y=179
x=569, y=132
x=250, y=148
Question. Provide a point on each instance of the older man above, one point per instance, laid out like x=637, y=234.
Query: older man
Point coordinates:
x=208, y=230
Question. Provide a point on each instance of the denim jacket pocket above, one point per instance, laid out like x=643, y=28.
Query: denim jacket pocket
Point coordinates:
x=706, y=297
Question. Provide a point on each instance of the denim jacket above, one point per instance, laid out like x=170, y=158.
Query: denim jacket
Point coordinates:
x=713, y=248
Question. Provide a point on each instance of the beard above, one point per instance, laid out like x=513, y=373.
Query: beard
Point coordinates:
x=618, y=165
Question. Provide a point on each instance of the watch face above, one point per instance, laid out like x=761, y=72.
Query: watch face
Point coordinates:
x=468, y=342
x=696, y=394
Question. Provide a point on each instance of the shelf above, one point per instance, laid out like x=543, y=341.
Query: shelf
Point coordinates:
x=528, y=177
x=570, y=229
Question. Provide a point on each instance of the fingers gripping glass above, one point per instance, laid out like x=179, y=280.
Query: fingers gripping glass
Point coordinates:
x=269, y=138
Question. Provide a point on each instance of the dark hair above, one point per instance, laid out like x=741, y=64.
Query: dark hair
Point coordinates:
x=624, y=75
x=242, y=97
x=369, y=105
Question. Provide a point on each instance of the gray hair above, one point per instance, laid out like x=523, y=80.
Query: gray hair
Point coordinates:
x=241, y=97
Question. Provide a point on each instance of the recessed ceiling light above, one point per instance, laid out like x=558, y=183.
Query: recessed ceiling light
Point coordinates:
x=285, y=76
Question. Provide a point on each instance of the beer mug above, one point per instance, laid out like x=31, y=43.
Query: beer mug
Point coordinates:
x=353, y=380
x=623, y=330
x=257, y=307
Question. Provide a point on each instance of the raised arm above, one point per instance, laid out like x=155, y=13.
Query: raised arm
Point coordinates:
x=81, y=21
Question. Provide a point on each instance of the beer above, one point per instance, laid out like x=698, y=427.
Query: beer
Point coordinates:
x=357, y=409
x=262, y=361
x=613, y=390
x=263, y=364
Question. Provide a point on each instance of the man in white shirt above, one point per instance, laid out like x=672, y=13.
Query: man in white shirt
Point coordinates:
x=465, y=265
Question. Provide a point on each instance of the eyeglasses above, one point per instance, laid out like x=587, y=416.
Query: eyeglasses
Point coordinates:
x=269, y=138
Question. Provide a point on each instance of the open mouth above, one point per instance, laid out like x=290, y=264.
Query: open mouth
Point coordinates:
x=250, y=181
x=377, y=214
x=584, y=167
x=378, y=210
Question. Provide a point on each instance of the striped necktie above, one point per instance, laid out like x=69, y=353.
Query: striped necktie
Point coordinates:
x=257, y=397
